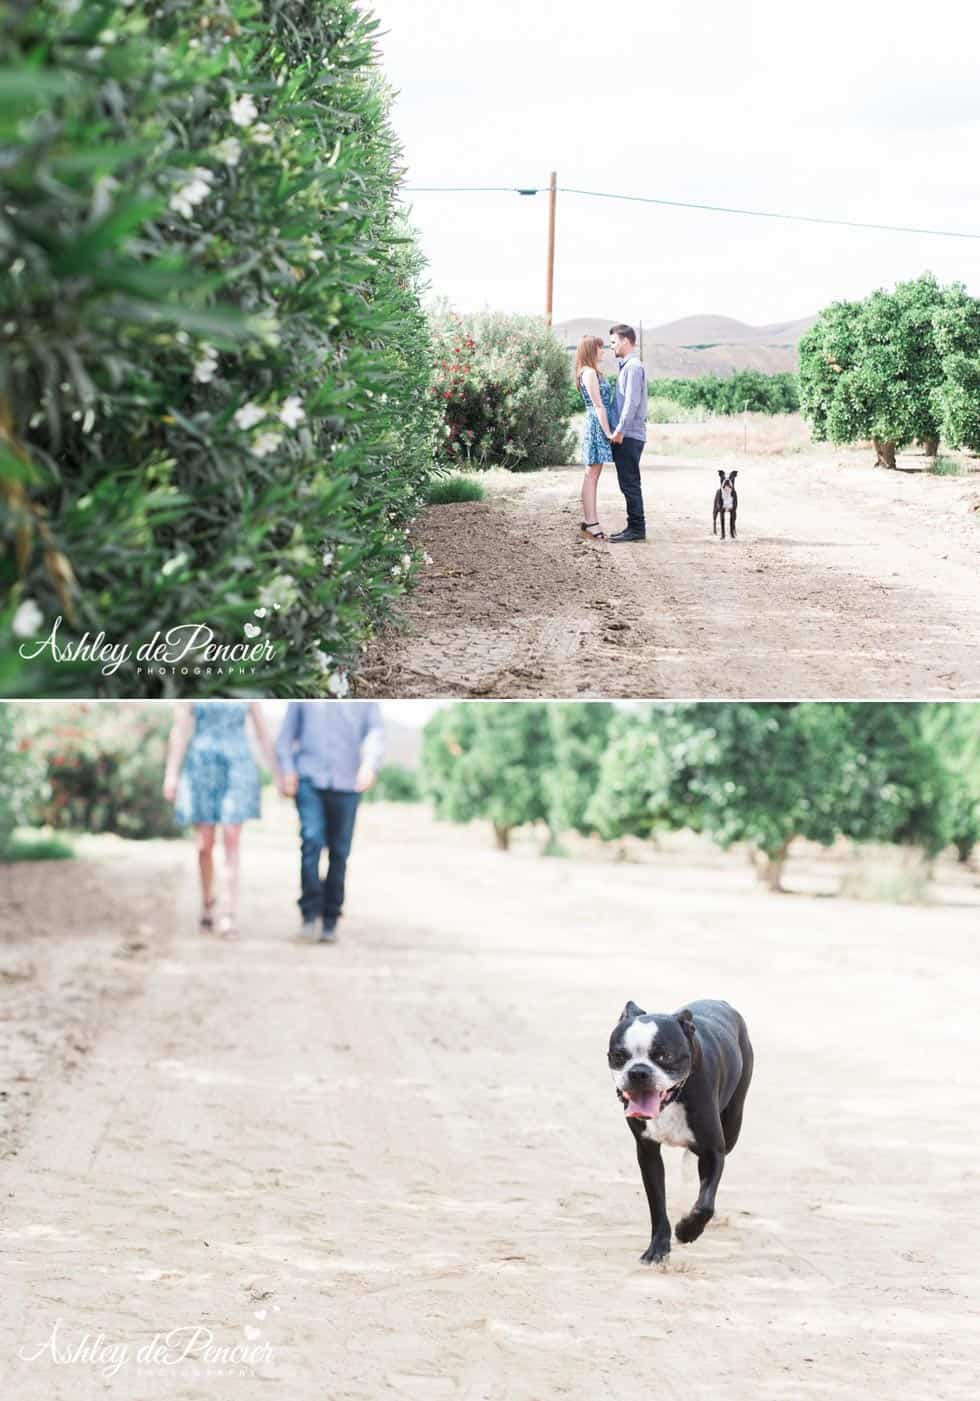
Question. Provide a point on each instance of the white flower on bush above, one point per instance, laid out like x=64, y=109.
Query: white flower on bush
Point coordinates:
x=27, y=619
x=244, y=110
x=205, y=366
x=396, y=571
x=292, y=412
x=321, y=659
x=266, y=443
x=102, y=191
x=229, y=151
x=249, y=415
x=407, y=561
x=266, y=327
x=327, y=558
x=428, y=558
x=282, y=592
x=338, y=685
x=262, y=134
x=183, y=201
x=316, y=254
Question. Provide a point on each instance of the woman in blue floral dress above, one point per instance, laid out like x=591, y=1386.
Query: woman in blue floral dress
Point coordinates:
x=214, y=781
x=597, y=396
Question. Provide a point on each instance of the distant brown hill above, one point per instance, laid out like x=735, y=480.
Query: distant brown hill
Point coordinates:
x=703, y=345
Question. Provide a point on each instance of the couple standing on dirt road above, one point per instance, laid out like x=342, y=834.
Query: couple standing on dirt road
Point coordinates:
x=601, y=443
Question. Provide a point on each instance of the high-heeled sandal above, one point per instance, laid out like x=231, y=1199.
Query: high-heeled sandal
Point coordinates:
x=205, y=923
x=593, y=530
x=227, y=928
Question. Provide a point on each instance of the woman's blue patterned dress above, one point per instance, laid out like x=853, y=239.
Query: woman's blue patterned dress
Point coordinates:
x=596, y=447
x=219, y=781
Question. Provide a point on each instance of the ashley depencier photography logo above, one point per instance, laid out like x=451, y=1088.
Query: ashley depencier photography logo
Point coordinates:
x=190, y=1346
x=189, y=649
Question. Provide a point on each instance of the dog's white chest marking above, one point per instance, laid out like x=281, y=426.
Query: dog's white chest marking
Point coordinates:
x=726, y=500
x=670, y=1127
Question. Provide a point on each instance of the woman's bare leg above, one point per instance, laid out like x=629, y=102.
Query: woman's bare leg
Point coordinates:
x=231, y=835
x=590, y=484
x=205, y=865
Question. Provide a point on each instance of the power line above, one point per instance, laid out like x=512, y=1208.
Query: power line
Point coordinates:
x=687, y=204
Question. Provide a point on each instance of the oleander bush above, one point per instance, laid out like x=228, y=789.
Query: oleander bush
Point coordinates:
x=213, y=360
x=23, y=778
x=501, y=383
x=103, y=768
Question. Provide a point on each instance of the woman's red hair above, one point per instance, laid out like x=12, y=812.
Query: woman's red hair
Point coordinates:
x=587, y=355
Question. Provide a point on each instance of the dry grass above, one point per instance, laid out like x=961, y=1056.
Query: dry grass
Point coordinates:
x=757, y=434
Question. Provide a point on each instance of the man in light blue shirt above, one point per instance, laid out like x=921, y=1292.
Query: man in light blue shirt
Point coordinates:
x=329, y=753
x=629, y=431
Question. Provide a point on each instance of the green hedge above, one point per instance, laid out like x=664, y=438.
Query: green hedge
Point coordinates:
x=729, y=395
x=213, y=359
x=745, y=389
x=395, y=784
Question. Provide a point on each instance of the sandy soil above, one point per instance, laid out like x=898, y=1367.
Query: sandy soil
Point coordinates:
x=845, y=581
x=75, y=937
x=396, y=1167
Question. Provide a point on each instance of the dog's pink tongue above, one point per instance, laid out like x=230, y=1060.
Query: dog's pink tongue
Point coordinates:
x=644, y=1106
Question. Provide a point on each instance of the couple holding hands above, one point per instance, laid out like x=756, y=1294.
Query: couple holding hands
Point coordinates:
x=615, y=429
x=325, y=756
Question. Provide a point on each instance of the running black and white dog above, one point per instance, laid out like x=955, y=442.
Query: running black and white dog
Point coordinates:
x=726, y=499
x=682, y=1078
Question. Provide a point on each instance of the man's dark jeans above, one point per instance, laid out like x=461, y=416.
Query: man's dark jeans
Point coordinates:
x=326, y=819
x=626, y=456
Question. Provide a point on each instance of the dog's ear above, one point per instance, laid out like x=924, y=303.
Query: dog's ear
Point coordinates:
x=690, y=1031
x=721, y=474
x=630, y=1011
x=733, y=475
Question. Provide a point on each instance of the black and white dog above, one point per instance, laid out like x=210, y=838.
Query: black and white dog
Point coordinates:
x=682, y=1078
x=726, y=499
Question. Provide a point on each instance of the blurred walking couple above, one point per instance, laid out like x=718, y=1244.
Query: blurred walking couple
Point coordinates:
x=327, y=753
x=615, y=429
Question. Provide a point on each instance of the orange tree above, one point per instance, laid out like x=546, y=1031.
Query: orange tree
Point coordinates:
x=871, y=369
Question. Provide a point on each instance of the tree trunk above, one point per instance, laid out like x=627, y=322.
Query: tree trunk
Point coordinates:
x=964, y=849
x=770, y=868
x=931, y=446
x=501, y=837
x=885, y=449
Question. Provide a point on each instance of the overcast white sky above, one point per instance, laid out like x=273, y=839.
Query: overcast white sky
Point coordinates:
x=854, y=109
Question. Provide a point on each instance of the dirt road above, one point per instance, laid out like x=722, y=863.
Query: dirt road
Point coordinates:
x=845, y=582
x=396, y=1167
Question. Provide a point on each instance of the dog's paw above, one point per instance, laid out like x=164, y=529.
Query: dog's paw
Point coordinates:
x=691, y=1227
x=656, y=1253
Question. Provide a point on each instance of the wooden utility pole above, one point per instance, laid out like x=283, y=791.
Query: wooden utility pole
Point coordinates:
x=550, y=292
